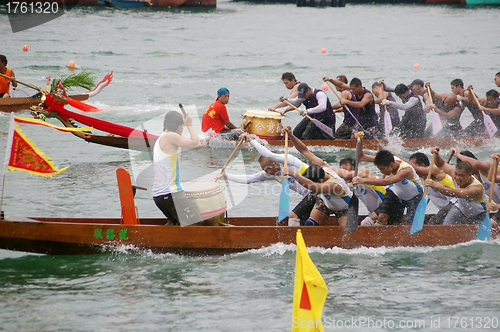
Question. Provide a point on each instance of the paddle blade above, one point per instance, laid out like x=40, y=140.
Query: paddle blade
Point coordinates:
x=352, y=215
x=436, y=123
x=490, y=126
x=418, y=220
x=484, y=230
x=284, y=200
x=387, y=123
x=323, y=127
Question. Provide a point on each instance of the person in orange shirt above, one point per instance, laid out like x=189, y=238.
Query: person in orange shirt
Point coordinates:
x=5, y=82
x=216, y=119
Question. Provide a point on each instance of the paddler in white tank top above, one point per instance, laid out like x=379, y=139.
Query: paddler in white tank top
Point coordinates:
x=471, y=200
x=421, y=164
x=334, y=193
x=167, y=189
x=271, y=164
x=403, y=191
x=371, y=196
x=482, y=171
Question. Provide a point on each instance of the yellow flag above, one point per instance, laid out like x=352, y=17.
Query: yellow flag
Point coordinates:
x=309, y=292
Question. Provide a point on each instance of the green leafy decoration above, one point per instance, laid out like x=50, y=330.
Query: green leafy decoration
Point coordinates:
x=85, y=80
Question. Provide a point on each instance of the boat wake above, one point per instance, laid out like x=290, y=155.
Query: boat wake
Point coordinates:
x=281, y=249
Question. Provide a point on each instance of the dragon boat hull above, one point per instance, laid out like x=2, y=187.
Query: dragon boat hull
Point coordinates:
x=72, y=236
x=141, y=144
x=17, y=104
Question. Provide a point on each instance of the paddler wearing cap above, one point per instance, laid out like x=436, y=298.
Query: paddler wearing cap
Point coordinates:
x=317, y=107
x=168, y=192
x=216, y=119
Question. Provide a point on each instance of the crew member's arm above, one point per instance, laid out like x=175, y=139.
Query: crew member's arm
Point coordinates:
x=443, y=165
x=293, y=94
x=324, y=187
x=322, y=102
x=495, y=111
x=405, y=173
x=244, y=178
x=173, y=138
x=336, y=82
x=228, y=125
x=303, y=149
x=477, y=164
x=367, y=98
x=411, y=102
x=451, y=114
x=13, y=79
x=473, y=192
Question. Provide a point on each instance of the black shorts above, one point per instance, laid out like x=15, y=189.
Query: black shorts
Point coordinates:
x=305, y=206
x=395, y=207
x=170, y=204
x=1, y=95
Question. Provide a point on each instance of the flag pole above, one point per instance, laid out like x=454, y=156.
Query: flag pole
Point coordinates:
x=7, y=159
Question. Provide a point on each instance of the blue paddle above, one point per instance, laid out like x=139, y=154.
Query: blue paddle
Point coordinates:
x=418, y=220
x=284, y=208
x=484, y=230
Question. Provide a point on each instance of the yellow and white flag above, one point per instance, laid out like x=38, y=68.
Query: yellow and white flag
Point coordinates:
x=309, y=293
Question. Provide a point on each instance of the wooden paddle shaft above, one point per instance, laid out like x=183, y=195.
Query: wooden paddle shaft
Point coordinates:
x=286, y=149
x=347, y=107
x=433, y=161
x=295, y=107
x=234, y=151
x=182, y=109
x=449, y=158
x=430, y=96
x=493, y=177
x=26, y=84
x=475, y=98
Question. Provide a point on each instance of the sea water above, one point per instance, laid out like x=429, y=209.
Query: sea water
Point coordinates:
x=161, y=58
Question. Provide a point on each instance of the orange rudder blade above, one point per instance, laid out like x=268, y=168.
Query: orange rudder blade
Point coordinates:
x=129, y=216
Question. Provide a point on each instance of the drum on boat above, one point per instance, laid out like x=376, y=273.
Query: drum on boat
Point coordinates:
x=209, y=200
x=265, y=124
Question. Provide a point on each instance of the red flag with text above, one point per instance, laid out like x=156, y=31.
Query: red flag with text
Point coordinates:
x=22, y=155
x=309, y=292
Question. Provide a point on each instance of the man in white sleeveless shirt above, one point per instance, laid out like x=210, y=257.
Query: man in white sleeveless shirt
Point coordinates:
x=168, y=193
x=470, y=206
x=404, y=191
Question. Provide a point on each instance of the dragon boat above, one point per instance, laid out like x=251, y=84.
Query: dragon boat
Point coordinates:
x=72, y=236
x=16, y=104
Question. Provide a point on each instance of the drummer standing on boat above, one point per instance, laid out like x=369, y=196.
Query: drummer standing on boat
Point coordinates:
x=216, y=118
x=5, y=82
x=290, y=83
x=318, y=107
x=168, y=193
